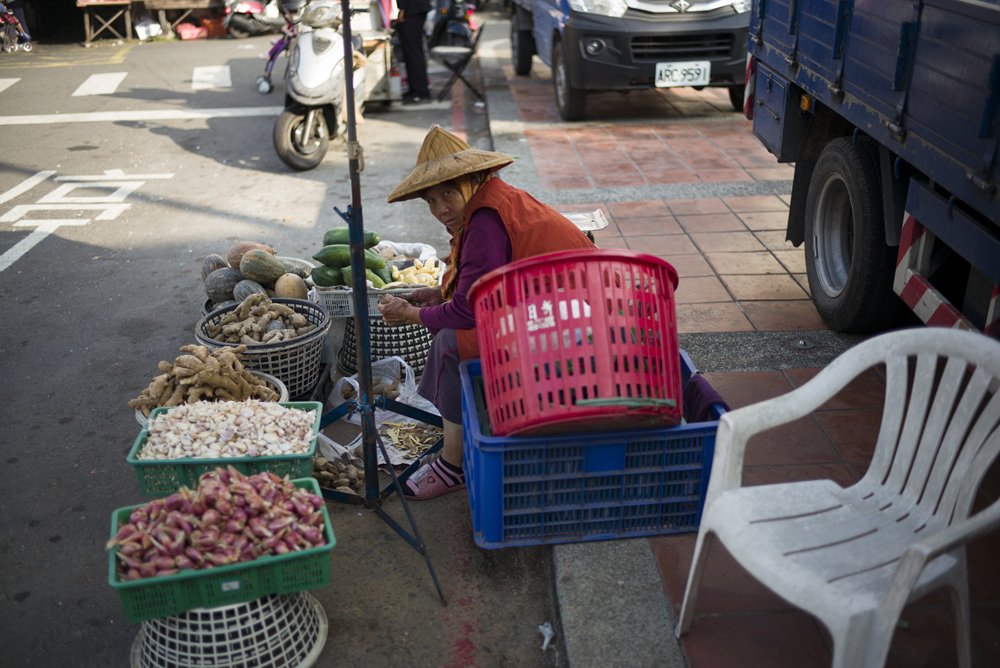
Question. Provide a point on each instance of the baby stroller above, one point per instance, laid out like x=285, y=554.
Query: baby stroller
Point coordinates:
x=12, y=34
x=291, y=10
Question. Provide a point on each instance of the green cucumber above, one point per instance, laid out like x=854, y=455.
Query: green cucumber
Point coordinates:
x=334, y=255
x=327, y=276
x=373, y=261
x=369, y=275
x=342, y=235
x=385, y=273
x=339, y=255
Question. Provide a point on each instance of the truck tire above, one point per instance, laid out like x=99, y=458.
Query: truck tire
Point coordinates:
x=850, y=267
x=298, y=152
x=736, y=97
x=522, y=44
x=569, y=100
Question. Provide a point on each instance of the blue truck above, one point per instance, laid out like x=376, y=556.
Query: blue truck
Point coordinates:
x=624, y=45
x=890, y=111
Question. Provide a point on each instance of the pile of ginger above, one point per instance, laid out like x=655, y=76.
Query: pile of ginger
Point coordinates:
x=201, y=374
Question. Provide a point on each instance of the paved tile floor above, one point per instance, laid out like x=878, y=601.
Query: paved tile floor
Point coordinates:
x=737, y=273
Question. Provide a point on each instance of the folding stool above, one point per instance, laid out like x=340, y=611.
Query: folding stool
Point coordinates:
x=456, y=59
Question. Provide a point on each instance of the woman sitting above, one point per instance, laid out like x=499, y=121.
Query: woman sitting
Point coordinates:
x=491, y=224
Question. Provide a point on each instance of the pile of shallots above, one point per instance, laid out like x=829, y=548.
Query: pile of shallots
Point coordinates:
x=231, y=518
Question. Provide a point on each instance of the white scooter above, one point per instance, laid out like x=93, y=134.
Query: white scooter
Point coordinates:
x=314, y=88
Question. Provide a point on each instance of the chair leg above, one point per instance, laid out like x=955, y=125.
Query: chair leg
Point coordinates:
x=701, y=549
x=958, y=592
x=850, y=641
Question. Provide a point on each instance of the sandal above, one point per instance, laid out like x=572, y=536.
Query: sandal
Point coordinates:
x=431, y=481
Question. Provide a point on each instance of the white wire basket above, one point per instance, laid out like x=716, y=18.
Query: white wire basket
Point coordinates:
x=339, y=299
x=278, y=386
x=278, y=631
x=296, y=363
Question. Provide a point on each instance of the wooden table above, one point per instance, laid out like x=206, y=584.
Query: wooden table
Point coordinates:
x=115, y=9
x=180, y=8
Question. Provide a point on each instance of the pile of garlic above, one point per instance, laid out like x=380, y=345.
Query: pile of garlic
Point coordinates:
x=210, y=430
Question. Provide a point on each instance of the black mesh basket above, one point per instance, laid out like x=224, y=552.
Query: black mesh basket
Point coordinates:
x=296, y=363
x=411, y=342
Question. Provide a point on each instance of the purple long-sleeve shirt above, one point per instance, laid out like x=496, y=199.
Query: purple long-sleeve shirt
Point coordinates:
x=485, y=247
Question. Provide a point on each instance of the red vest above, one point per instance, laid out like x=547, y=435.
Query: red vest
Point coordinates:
x=533, y=228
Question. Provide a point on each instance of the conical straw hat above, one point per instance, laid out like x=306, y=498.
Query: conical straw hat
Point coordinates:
x=443, y=157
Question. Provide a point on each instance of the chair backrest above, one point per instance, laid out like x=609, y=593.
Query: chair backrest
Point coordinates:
x=940, y=427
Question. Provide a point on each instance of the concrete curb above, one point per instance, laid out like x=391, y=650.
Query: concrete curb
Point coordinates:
x=612, y=606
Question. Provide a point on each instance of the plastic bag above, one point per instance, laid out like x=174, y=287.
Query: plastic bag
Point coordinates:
x=422, y=252
x=384, y=373
x=396, y=378
x=332, y=451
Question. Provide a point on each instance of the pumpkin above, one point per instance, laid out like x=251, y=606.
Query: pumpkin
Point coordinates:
x=239, y=249
x=211, y=263
x=220, y=283
x=294, y=265
x=245, y=288
x=291, y=286
x=260, y=266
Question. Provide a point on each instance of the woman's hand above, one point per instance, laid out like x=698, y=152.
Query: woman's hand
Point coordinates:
x=396, y=311
x=426, y=296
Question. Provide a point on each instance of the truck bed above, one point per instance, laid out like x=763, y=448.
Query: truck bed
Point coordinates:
x=922, y=78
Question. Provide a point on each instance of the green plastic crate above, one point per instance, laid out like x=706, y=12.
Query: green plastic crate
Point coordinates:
x=166, y=476
x=168, y=595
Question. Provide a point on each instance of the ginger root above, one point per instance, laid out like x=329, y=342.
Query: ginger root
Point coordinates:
x=201, y=374
x=255, y=320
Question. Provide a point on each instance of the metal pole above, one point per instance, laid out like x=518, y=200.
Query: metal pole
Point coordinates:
x=359, y=286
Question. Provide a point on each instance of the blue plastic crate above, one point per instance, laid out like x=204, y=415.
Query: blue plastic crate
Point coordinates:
x=539, y=490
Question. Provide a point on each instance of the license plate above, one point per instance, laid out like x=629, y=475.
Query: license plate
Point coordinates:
x=694, y=73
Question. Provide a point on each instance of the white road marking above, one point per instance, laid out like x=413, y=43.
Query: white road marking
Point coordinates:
x=108, y=207
x=100, y=84
x=116, y=174
x=153, y=115
x=108, y=211
x=26, y=244
x=7, y=83
x=26, y=185
x=213, y=76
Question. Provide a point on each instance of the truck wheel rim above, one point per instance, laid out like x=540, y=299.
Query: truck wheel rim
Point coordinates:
x=834, y=236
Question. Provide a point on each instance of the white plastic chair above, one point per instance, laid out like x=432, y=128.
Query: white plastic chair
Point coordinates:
x=854, y=556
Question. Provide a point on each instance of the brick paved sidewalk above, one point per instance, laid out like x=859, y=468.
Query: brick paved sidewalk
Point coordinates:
x=737, y=274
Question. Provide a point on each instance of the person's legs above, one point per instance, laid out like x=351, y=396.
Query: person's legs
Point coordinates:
x=452, y=450
x=440, y=384
x=411, y=39
x=17, y=6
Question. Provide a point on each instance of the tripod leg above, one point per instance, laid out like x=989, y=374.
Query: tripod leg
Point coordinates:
x=417, y=542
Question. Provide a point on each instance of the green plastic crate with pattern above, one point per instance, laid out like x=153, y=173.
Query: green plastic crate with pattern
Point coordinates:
x=168, y=595
x=166, y=476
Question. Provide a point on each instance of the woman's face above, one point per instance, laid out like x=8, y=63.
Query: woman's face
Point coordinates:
x=446, y=204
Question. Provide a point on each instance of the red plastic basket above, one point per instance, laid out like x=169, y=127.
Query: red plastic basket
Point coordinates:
x=579, y=341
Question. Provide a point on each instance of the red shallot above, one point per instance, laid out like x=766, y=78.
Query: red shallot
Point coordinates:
x=229, y=518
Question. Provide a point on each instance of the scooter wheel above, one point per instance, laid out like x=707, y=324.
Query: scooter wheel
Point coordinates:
x=264, y=85
x=294, y=148
x=26, y=47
